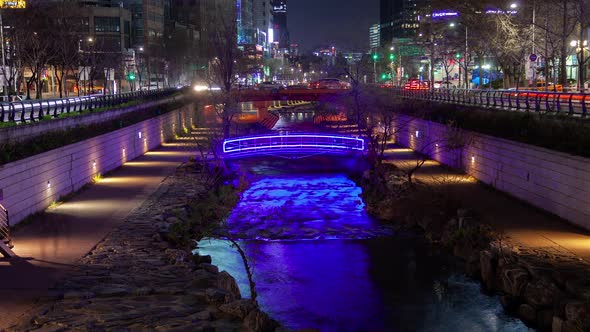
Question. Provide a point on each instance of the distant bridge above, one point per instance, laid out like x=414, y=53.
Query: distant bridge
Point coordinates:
x=289, y=94
x=292, y=145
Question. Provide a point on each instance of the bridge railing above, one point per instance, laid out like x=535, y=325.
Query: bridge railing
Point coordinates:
x=292, y=143
x=571, y=104
x=34, y=110
x=5, y=226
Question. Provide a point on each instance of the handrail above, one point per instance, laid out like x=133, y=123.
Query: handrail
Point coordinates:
x=566, y=103
x=35, y=110
x=5, y=227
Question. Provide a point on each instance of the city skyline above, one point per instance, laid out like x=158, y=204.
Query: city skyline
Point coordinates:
x=342, y=23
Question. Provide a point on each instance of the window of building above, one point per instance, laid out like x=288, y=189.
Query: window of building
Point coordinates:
x=108, y=43
x=107, y=24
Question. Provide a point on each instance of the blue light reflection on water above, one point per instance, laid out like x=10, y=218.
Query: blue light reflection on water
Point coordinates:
x=364, y=280
x=302, y=207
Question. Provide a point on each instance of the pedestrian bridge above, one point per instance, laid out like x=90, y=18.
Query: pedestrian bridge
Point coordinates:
x=292, y=146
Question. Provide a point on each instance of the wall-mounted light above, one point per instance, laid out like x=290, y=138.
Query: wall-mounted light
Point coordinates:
x=94, y=164
x=48, y=184
x=139, y=134
x=417, y=133
x=436, y=145
x=472, y=159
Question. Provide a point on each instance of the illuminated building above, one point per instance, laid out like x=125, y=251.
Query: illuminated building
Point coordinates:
x=400, y=18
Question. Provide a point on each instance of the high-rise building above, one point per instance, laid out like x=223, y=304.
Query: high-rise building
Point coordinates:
x=374, y=36
x=400, y=18
x=281, y=33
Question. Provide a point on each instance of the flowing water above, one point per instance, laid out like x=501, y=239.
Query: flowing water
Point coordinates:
x=320, y=261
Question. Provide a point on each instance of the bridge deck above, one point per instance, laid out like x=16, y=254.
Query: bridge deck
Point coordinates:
x=292, y=144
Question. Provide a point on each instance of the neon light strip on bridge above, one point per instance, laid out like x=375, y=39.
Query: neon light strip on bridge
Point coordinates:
x=295, y=141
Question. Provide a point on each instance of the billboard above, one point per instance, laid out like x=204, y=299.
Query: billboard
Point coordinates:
x=13, y=4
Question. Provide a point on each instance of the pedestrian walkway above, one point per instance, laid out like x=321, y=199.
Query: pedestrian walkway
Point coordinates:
x=524, y=224
x=50, y=245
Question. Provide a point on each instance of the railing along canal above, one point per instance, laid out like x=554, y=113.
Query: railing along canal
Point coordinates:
x=5, y=227
x=34, y=110
x=571, y=104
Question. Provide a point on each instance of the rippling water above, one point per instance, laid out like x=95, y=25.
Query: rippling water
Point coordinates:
x=320, y=261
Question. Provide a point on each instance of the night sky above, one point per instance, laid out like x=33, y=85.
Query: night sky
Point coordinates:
x=342, y=23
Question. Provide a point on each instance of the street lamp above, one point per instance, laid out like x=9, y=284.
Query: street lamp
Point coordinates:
x=452, y=25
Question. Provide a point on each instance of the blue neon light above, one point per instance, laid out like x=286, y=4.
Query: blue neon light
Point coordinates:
x=267, y=142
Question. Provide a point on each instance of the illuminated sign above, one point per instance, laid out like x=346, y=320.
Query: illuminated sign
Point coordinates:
x=497, y=11
x=13, y=4
x=444, y=14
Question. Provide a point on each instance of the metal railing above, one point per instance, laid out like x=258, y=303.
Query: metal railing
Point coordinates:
x=27, y=111
x=292, y=143
x=571, y=104
x=5, y=227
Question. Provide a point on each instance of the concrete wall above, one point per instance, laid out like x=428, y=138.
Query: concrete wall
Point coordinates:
x=27, y=131
x=556, y=182
x=32, y=184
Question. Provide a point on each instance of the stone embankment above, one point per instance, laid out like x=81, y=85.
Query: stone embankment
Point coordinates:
x=546, y=288
x=135, y=280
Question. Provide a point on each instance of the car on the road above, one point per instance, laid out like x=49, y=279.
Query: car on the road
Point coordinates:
x=267, y=85
x=329, y=83
x=443, y=85
x=416, y=84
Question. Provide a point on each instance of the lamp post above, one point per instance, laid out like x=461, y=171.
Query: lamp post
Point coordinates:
x=452, y=25
x=375, y=57
x=392, y=58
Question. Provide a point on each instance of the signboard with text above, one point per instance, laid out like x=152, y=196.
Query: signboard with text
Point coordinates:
x=13, y=4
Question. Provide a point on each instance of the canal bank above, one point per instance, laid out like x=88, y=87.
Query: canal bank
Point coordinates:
x=137, y=279
x=511, y=247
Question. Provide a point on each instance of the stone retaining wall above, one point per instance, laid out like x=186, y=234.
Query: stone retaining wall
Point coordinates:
x=32, y=184
x=553, y=181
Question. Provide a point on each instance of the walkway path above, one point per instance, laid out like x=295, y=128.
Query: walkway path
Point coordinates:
x=49, y=245
x=524, y=224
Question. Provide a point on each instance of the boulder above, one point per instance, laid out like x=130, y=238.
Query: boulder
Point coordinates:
x=544, y=319
x=226, y=282
x=239, y=308
x=542, y=293
x=472, y=267
x=577, y=311
x=509, y=303
x=556, y=324
x=217, y=296
x=527, y=313
x=579, y=287
x=514, y=279
x=258, y=321
x=487, y=263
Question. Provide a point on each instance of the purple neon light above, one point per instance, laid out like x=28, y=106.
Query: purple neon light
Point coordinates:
x=356, y=140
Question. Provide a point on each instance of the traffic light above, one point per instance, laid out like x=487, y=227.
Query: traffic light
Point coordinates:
x=131, y=77
x=375, y=56
x=383, y=76
x=458, y=55
x=392, y=57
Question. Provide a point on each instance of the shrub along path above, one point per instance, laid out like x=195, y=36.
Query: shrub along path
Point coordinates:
x=53, y=242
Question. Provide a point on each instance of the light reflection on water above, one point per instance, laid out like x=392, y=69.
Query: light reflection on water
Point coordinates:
x=363, y=280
